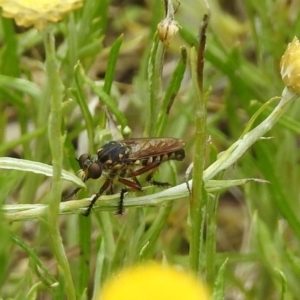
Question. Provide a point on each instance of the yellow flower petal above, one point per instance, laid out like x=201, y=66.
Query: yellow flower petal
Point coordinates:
x=37, y=13
x=153, y=281
x=290, y=66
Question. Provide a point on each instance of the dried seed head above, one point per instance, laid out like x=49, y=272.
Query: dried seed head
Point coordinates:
x=290, y=66
x=167, y=29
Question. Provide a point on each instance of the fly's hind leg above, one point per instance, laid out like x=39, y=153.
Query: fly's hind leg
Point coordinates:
x=150, y=179
x=121, y=209
x=133, y=185
x=152, y=168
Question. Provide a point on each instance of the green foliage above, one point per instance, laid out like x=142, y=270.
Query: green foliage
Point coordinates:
x=242, y=237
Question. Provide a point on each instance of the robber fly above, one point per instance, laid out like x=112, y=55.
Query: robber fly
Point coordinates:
x=124, y=160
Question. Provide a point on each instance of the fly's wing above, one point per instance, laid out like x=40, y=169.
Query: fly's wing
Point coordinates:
x=111, y=124
x=147, y=147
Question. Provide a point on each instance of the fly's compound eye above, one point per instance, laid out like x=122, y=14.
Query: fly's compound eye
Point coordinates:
x=94, y=170
x=90, y=168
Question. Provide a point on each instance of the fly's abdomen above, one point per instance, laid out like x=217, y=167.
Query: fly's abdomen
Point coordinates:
x=175, y=155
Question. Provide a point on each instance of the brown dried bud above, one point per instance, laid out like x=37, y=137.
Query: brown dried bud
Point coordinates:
x=290, y=66
x=167, y=29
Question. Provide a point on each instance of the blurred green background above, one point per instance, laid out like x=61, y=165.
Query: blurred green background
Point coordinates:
x=257, y=224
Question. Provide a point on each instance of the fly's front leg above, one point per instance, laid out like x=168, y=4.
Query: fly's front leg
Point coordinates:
x=104, y=187
x=73, y=193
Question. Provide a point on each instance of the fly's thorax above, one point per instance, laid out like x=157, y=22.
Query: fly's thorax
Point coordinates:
x=113, y=153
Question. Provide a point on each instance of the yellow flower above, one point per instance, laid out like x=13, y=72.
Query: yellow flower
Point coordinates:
x=153, y=281
x=290, y=66
x=37, y=13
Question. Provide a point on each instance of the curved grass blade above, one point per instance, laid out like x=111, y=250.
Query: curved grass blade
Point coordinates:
x=24, y=165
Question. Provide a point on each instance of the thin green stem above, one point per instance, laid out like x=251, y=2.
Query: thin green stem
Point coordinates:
x=56, y=146
x=13, y=213
x=84, y=228
x=237, y=149
x=155, y=84
x=109, y=244
x=197, y=201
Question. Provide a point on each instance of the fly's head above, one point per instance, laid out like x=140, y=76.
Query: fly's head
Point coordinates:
x=90, y=167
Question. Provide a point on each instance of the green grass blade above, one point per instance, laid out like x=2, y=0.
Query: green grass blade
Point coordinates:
x=38, y=168
x=111, y=64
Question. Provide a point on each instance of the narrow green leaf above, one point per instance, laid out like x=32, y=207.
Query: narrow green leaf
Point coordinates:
x=104, y=97
x=38, y=168
x=283, y=284
x=83, y=104
x=264, y=242
x=47, y=278
x=154, y=80
x=218, y=185
x=219, y=287
x=171, y=92
x=25, y=138
x=21, y=85
x=111, y=64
